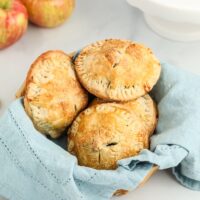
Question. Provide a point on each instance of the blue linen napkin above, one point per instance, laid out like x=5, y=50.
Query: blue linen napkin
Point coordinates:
x=33, y=167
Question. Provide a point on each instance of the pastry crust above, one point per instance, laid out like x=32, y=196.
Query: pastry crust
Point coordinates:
x=144, y=107
x=118, y=70
x=21, y=91
x=107, y=132
x=53, y=95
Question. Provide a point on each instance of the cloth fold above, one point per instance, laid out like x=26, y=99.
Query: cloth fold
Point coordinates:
x=33, y=167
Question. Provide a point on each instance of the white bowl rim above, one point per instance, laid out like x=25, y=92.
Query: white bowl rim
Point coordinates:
x=160, y=9
x=167, y=5
x=174, y=6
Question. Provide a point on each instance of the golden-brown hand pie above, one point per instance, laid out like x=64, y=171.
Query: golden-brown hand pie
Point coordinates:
x=107, y=132
x=144, y=107
x=53, y=96
x=118, y=70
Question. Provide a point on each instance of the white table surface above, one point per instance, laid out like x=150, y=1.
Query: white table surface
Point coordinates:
x=91, y=21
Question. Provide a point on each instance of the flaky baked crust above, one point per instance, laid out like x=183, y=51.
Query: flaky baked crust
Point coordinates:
x=53, y=96
x=21, y=91
x=107, y=132
x=144, y=107
x=118, y=70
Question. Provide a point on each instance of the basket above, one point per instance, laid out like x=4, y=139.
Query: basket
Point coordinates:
x=21, y=92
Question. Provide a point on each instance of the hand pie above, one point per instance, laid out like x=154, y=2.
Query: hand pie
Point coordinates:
x=117, y=70
x=53, y=96
x=144, y=107
x=107, y=132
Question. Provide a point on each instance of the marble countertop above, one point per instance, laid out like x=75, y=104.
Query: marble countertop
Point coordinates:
x=91, y=21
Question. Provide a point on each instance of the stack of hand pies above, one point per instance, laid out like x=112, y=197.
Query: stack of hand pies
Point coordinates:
x=119, y=120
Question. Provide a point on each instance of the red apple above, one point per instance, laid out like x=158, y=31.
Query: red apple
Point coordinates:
x=49, y=13
x=13, y=21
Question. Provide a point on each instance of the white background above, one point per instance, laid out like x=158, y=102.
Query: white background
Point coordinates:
x=91, y=21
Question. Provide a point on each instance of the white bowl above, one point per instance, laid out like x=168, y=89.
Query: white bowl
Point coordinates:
x=174, y=19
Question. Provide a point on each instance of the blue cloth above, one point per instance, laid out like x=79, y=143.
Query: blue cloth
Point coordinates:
x=33, y=167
